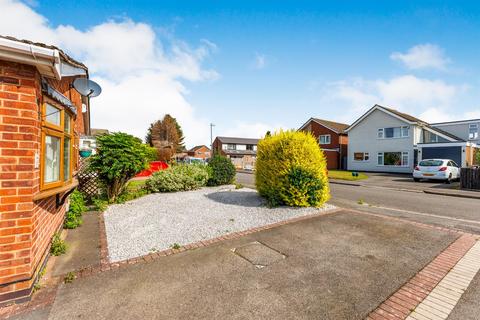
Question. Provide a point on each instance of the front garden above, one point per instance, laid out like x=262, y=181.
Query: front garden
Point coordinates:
x=186, y=203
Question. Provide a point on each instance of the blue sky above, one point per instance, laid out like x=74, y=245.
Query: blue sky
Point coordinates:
x=262, y=65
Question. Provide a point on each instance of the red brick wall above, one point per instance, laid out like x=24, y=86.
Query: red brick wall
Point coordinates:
x=26, y=226
x=202, y=152
x=336, y=141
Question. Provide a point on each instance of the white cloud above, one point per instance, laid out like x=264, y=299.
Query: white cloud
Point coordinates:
x=250, y=130
x=423, y=56
x=141, y=75
x=428, y=99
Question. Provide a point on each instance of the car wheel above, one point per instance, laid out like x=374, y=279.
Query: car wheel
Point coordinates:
x=416, y=179
x=449, y=179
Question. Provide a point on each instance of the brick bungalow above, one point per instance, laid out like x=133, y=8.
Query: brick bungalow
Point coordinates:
x=41, y=119
x=332, y=140
x=201, y=152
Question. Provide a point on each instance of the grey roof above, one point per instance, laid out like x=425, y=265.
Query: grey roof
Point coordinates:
x=234, y=140
x=456, y=121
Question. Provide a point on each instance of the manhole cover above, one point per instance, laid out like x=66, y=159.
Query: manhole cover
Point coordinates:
x=259, y=254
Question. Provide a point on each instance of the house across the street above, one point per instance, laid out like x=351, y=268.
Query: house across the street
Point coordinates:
x=242, y=151
x=200, y=152
x=387, y=140
x=42, y=118
x=332, y=140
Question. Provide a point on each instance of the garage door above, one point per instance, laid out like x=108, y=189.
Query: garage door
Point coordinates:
x=454, y=153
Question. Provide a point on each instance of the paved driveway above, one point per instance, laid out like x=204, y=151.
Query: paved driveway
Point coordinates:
x=401, y=181
x=338, y=266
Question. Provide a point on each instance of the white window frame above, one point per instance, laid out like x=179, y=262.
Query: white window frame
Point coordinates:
x=325, y=136
x=365, y=157
x=231, y=146
x=475, y=134
x=402, y=155
x=381, y=132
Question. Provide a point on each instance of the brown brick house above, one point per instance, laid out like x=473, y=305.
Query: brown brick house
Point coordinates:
x=201, y=152
x=242, y=151
x=41, y=119
x=332, y=140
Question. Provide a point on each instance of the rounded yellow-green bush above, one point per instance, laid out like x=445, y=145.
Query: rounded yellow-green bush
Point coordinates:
x=291, y=170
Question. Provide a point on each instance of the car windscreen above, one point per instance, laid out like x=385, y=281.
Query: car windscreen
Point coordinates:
x=431, y=163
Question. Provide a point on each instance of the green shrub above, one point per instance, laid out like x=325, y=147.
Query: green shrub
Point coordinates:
x=73, y=217
x=180, y=177
x=291, y=170
x=119, y=158
x=58, y=246
x=100, y=204
x=222, y=171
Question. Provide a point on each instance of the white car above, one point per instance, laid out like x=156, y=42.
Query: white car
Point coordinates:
x=436, y=169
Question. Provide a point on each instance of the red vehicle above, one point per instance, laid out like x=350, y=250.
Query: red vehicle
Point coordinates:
x=154, y=167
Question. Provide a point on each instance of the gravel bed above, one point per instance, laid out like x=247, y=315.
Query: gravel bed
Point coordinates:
x=157, y=221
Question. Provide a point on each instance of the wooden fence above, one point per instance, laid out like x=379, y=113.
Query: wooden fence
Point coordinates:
x=470, y=178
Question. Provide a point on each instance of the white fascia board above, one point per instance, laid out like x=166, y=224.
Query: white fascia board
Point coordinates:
x=444, y=144
x=377, y=107
x=31, y=54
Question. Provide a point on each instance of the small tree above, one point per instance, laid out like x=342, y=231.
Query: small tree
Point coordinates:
x=119, y=158
x=166, y=136
x=478, y=157
x=222, y=171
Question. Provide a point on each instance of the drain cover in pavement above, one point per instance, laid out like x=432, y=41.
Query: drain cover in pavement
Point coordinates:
x=259, y=254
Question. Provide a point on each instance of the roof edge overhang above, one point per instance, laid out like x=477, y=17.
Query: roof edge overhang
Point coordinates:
x=49, y=62
x=318, y=122
x=380, y=108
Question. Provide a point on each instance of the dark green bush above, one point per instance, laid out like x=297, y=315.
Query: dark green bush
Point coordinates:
x=222, y=171
x=180, y=177
x=73, y=217
x=119, y=158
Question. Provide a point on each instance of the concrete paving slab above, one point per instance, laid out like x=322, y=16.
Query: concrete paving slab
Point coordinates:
x=83, y=246
x=340, y=266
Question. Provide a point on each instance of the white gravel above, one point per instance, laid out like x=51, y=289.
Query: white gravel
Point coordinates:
x=157, y=221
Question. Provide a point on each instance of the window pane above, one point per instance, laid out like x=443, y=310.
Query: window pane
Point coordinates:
x=404, y=131
x=392, y=158
x=473, y=131
x=405, y=159
x=52, y=115
x=52, y=159
x=358, y=156
x=388, y=132
x=66, y=159
x=380, y=159
x=380, y=133
x=67, y=123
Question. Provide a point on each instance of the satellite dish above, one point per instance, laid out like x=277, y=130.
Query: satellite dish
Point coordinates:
x=87, y=87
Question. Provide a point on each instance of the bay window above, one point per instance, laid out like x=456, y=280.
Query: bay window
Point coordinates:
x=57, y=146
